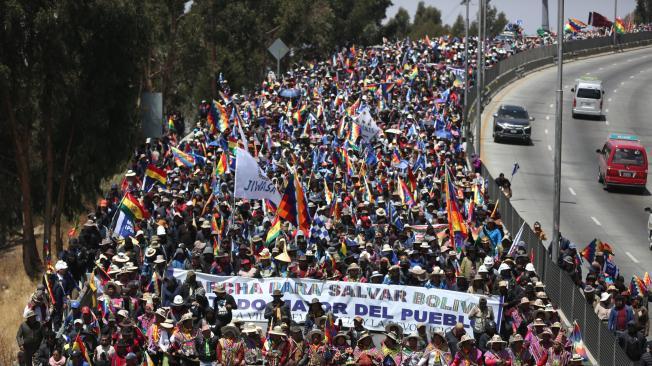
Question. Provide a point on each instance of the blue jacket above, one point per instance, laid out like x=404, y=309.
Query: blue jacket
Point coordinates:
x=614, y=313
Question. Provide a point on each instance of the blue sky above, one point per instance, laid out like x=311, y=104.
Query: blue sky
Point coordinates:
x=527, y=10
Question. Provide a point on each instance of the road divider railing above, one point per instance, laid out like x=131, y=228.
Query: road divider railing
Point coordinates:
x=561, y=289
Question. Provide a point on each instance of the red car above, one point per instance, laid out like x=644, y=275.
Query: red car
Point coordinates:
x=622, y=161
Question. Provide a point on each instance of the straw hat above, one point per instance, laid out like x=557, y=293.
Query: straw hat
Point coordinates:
x=465, y=338
x=393, y=336
x=394, y=327
x=167, y=324
x=277, y=330
x=265, y=254
x=496, y=339
x=283, y=257
x=231, y=328
x=313, y=332
x=364, y=335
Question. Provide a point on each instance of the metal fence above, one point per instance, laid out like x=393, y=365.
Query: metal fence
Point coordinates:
x=561, y=290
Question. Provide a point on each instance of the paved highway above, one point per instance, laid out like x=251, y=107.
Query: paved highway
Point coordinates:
x=587, y=210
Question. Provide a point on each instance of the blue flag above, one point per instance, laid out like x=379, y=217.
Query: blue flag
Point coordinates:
x=515, y=169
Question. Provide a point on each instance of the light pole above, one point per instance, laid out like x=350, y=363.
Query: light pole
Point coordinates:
x=613, y=29
x=558, y=127
x=466, y=60
x=479, y=77
x=544, y=15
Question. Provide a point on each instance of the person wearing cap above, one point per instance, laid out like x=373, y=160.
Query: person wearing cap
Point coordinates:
x=497, y=354
x=467, y=354
x=29, y=336
x=75, y=313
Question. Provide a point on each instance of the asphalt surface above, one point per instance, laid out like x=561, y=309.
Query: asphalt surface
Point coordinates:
x=587, y=210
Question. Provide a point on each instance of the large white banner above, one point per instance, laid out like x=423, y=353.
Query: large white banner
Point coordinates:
x=368, y=127
x=250, y=181
x=378, y=305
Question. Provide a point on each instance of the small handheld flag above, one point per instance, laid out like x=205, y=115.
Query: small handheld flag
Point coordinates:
x=515, y=169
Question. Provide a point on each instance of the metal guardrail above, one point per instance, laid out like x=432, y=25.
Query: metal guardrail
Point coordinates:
x=561, y=290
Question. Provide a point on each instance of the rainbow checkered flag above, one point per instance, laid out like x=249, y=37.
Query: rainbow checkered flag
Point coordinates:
x=575, y=336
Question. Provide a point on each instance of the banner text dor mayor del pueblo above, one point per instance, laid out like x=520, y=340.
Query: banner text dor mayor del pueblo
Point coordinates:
x=376, y=304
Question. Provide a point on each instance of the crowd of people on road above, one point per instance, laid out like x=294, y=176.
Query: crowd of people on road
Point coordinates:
x=402, y=207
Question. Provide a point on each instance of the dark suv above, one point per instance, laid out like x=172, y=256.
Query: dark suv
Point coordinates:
x=512, y=122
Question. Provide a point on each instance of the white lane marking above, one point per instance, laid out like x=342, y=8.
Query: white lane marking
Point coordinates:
x=572, y=191
x=631, y=77
x=606, y=110
x=631, y=257
x=607, y=122
x=549, y=148
x=622, y=83
x=614, y=64
x=609, y=100
x=601, y=68
x=548, y=118
x=545, y=131
x=615, y=90
x=551, y=105
x=596, y=221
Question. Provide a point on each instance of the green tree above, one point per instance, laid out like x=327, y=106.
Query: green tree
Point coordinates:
x=458, y=28
x=399, y=26
x=643, y=11
x=68, y=78
x=427, y=21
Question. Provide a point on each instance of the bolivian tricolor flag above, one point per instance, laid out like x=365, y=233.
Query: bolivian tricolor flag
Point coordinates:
x=154, y=176
x=222, y=165
x=414, y=73
x=132, y=208
x=274, y=231
x=79, y=346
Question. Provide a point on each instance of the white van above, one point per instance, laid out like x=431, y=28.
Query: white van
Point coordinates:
x=587, y=97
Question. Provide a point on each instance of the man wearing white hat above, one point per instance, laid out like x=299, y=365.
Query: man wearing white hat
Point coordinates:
x=61, y=289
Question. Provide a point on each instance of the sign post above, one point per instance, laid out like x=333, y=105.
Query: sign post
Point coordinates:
x=278, y=49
